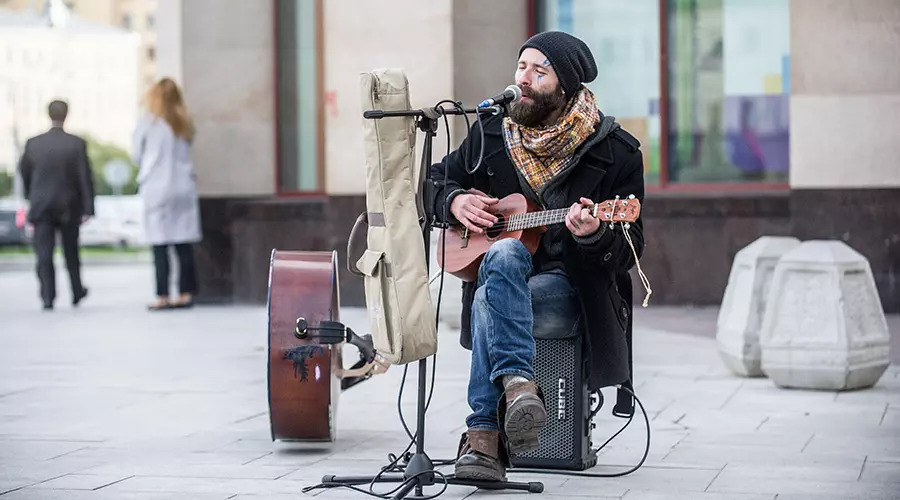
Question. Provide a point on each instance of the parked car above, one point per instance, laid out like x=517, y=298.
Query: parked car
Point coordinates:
x=118, y=222
x=14, y=230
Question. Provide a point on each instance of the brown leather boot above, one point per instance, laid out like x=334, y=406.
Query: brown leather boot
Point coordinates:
x=482, y=456
x=522, y=411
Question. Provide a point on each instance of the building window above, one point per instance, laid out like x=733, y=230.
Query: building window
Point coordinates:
x=728, y=75
x=298, y=89
x=126, y=21
x=624, y=39
x=151, y=21
x=727, y=82
x=151, y=53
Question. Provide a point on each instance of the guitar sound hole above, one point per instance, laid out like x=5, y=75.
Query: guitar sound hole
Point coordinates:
x=495, y=230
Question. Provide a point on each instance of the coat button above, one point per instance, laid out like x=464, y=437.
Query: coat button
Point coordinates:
x=607, y=257
x=490, y=171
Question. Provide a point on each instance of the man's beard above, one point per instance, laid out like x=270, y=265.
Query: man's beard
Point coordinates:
x=533, y=114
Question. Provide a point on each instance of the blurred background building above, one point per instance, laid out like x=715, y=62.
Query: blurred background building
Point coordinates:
x=138, y=16
x=51, y=53
x=757, y=117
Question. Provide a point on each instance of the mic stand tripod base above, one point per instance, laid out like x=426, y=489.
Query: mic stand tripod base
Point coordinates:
x=331, y=481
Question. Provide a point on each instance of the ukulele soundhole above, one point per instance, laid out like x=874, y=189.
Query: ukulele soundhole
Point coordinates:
x=494, y=231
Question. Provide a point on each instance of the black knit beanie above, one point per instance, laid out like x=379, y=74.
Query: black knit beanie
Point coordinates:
x=570, y=57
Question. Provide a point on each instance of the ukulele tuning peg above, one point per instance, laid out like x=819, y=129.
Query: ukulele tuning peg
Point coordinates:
x=630, y=196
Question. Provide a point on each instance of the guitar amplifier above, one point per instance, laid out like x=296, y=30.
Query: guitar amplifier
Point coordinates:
x=561, y=372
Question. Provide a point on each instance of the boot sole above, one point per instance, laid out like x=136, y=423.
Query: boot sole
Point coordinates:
x=523, y=424
x=478, y=473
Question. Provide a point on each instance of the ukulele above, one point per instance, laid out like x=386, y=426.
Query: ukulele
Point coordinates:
x=520, y=218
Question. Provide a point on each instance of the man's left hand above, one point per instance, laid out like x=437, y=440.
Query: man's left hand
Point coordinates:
x=579, y=219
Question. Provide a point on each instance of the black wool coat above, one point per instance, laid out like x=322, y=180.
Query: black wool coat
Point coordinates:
x=608, y=163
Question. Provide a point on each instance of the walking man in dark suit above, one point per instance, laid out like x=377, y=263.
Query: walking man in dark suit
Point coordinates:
x=57, y=177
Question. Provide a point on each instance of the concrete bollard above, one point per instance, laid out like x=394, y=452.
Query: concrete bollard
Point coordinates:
x=744, y=303
x=824, y=327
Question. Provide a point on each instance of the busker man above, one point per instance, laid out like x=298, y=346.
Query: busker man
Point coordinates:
x=558, y=149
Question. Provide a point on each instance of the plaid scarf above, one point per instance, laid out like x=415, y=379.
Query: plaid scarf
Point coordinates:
x=541, y=153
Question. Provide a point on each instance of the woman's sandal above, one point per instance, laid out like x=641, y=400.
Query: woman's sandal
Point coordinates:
x=182, y=303
x=159, y=305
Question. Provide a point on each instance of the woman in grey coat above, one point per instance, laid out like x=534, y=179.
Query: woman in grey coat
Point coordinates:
x=167, y=186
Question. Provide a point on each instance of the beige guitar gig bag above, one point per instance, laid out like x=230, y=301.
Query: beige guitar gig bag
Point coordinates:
x=393, y=260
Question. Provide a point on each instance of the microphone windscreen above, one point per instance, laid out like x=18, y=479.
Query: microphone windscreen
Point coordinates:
x=517, y=92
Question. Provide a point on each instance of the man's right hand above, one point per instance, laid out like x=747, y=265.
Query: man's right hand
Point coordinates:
x=472, y=210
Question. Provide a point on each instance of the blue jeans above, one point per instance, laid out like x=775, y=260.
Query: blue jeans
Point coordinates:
x=512, y=306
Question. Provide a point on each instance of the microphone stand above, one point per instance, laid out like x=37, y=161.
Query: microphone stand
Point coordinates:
x=416, y=475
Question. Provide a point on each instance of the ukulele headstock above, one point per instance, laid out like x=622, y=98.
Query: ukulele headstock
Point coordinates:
x=618, y=210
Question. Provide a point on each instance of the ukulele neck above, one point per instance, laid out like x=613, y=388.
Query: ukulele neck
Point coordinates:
x=530, y=220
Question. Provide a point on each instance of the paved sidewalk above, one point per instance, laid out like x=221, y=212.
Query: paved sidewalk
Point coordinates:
x=112, y=402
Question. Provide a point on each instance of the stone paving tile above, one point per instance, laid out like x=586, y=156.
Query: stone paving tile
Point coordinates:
x=661, y=479
x=16, y=450
x=250, y=471
x=191, y=486
x=88, y=482
x=863, y=495
x=738, y=478
x=506, y=495
x=881, y=472
x=674, y=495
x=67, y=494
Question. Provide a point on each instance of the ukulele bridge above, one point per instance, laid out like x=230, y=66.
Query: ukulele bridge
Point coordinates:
x=465, y=238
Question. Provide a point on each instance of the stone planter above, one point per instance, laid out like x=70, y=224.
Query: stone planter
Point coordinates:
x=824, y=326
x=744, y=303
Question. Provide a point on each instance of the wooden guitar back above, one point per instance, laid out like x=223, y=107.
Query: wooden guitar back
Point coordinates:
x=302, y=374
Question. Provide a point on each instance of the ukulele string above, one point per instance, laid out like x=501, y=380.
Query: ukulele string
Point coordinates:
x=539, y=219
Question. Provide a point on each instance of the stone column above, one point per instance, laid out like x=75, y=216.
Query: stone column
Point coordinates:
x=845, y=114
x=222, y=53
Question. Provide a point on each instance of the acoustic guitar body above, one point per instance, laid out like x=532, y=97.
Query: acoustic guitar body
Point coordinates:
x=464, y=252
x=303, y=375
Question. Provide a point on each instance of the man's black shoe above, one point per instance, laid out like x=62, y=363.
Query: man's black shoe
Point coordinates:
x=79, y=296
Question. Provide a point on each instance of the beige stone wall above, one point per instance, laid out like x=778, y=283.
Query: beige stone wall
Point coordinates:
x=845, y=93
x=95, y=72
x=361, y=36
x=225, y=62
x=448, y=49
x=486, y=45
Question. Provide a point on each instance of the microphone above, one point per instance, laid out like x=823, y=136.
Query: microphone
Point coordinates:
x=512, y=94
